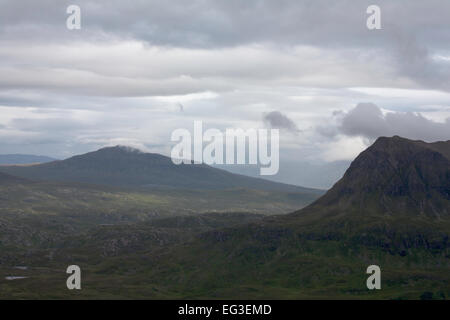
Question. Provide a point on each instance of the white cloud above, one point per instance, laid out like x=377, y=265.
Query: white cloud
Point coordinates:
x=344, y=148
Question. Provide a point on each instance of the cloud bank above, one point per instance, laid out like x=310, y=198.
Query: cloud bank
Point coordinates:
x=368, y=120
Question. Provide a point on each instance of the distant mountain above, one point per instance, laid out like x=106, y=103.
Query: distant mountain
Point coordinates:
x=127, y=167
x=11, y=159
x=395, y=176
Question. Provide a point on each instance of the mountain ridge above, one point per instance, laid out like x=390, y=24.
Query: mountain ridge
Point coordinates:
x=395, y=175
x=123, y=166
x=23, y=159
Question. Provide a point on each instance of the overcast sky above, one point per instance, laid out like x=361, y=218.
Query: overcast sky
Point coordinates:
x=137, y=70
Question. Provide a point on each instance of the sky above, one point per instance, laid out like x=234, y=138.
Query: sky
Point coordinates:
x=137, y=70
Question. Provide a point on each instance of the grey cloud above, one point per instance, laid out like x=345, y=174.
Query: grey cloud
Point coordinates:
x=91, y=83
x=159, y=71
x=277, y=120
x=365, y=119
x=412, y=58
x=368, y=121
x=219, y=23
x=354, y=55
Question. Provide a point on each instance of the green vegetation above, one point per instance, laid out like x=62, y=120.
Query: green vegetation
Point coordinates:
x=189, y=258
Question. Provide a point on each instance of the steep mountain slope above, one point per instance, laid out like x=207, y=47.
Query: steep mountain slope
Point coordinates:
x=122, y=166
x=11, y=159
x=395, y=176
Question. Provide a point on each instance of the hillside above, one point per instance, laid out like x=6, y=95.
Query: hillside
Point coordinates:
x=6, y=179
x=126, y=167
x=395, y=176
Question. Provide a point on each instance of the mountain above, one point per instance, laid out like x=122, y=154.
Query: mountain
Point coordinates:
x=127, y=167
x=16, y=159
x=395, y=176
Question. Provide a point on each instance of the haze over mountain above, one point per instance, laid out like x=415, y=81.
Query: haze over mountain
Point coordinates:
x=11, y=159
x=128, y=167
x=321, y=175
